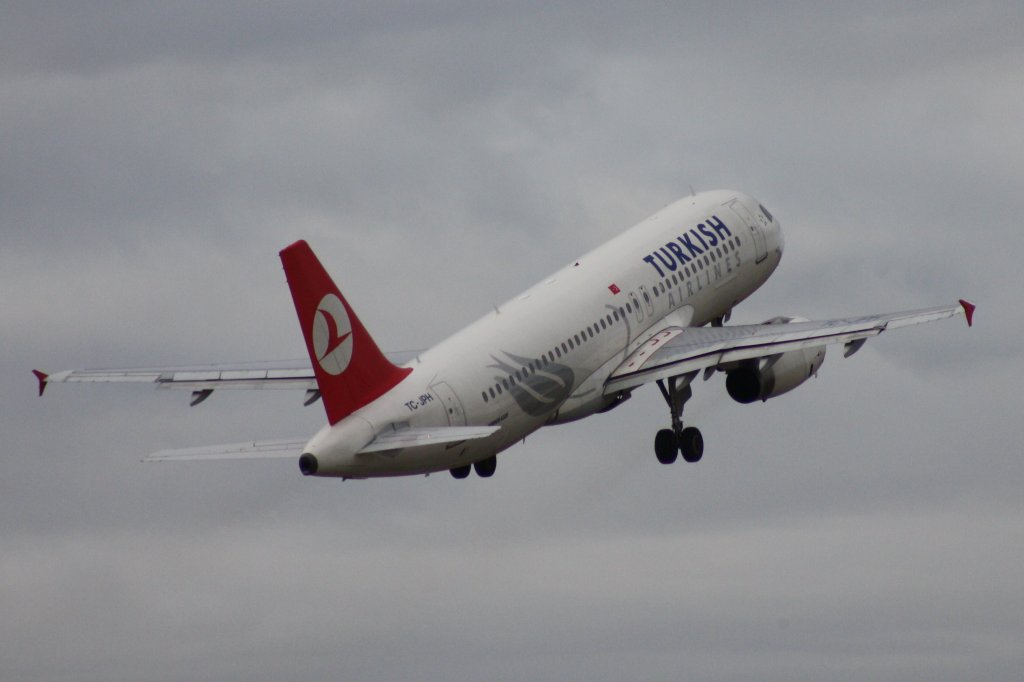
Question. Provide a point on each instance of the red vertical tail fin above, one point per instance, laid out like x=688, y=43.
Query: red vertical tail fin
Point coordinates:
x=350, y=369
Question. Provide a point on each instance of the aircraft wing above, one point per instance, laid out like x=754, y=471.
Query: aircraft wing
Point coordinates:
x=203, y=380
x=676, y=351
x=200, y=380
x=292, y=447
x=193, y=378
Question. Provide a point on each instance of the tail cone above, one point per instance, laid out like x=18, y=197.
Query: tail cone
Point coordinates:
x=308, y=464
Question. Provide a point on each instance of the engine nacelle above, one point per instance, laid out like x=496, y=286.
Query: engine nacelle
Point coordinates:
x=766, y=378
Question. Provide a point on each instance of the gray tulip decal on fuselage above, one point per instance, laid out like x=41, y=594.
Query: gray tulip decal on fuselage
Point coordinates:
x=537, y=387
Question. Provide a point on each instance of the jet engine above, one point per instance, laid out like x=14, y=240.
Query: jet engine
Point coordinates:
x=765, y=378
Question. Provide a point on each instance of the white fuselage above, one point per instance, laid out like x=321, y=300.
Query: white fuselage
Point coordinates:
x=544, y=356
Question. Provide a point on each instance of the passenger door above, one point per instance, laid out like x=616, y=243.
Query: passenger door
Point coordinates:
x=760, y=241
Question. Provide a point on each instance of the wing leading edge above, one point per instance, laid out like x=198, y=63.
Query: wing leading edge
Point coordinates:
x=675, y=350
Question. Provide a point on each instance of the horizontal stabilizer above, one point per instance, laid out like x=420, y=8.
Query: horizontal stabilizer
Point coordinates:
x=292, y=447
x=410, y=438
x=265, y=449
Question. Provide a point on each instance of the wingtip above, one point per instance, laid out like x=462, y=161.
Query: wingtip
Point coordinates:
x=42, y=377
x=968, y=311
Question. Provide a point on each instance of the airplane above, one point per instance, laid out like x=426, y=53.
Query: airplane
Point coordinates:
x=648, y=306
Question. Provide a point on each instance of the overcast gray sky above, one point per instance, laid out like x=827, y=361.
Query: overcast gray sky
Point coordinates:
x=441, y=157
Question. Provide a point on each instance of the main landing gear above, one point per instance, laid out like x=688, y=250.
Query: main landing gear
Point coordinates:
x=484, y=468
x=669, y=443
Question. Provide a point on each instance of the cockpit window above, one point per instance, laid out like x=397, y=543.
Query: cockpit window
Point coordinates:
x=766, y=213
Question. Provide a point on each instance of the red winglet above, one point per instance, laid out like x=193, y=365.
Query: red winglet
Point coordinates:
x=42, y=376
x=968, y=311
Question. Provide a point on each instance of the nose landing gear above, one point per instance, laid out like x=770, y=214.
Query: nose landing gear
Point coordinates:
x=668, y=443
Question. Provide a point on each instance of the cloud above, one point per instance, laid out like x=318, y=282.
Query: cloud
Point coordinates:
x=442, y=157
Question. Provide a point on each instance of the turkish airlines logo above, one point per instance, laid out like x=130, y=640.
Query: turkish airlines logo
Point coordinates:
x=332, y=335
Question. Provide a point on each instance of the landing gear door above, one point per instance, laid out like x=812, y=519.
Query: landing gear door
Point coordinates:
x=452, y=404
x=760, y=241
